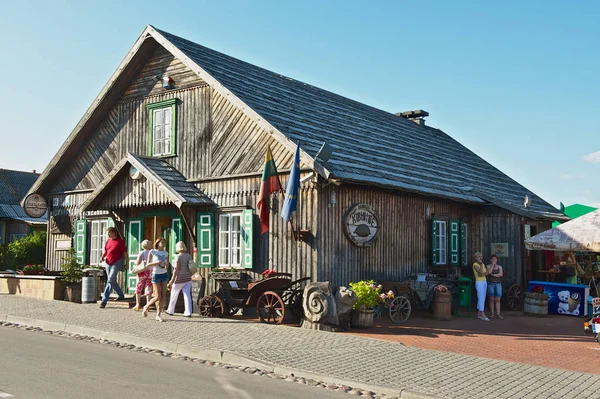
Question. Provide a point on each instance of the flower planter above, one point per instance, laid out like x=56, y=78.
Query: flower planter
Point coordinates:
x=536, y=305
x=31, y=272
x=226, y=275
x=363, y=318
x=442, y=306
x=73, y=293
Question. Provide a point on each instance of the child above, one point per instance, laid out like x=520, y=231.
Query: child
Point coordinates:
x=144, y=278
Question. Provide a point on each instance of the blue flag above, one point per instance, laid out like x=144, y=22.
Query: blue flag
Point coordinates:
x=291, y=191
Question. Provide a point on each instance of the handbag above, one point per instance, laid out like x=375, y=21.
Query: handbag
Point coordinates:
x=192, y=266
x=137, y=269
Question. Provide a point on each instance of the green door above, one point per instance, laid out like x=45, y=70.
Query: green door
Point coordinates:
x=135, y=231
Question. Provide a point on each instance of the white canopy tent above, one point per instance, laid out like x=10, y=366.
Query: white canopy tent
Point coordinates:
x=581, y=235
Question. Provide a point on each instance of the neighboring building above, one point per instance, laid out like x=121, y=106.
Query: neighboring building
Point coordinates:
x=574, y=211
x=174, y=145
x=14, y=223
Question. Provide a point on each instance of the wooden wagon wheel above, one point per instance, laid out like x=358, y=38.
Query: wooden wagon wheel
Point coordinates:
x=270, y=308
x=211, y=306
x=514, y=297
x=400, y=308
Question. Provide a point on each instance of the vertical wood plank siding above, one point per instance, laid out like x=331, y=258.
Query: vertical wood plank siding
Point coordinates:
x=276, y=249
x=403, y=246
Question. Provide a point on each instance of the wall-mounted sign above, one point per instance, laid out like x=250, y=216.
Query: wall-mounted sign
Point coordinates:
x=35, y=205
x=62, y=245
x=500, y=249
x=361, y=225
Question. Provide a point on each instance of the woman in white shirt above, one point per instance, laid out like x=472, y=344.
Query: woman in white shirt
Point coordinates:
x=157, y=259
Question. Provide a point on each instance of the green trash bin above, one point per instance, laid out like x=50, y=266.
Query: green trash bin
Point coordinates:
x=464, y=295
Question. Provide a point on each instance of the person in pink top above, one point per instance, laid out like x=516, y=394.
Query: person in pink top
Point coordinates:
x=144, y=278
x=115, y=256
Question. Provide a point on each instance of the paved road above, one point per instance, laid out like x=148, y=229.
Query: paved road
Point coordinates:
x=36, y=365
x=379, y=366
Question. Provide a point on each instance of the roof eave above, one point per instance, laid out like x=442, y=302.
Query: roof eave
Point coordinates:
x=90, y=111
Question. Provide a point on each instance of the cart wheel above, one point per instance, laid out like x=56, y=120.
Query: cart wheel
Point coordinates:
x=400, y=309
x=514, y=297
x=211, y=306
x=270, y=308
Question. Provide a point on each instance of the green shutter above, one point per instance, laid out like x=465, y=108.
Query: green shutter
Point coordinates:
x=464, y=256
x=135, y=232
x=247, y=238
x=80, y=243
x=205, y=231
x=433, y=241
x=454, y=242
x=175, y=236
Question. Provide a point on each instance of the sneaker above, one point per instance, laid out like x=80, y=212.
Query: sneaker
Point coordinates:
x=158, y=318
x=102, y=305
x=484, y=318
x=136, y=308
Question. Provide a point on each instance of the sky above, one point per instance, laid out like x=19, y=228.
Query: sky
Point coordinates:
x=516, y=82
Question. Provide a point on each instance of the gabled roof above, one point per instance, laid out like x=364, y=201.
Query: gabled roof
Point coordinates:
x=13, y=187
x=168, y=180
x=371, y=146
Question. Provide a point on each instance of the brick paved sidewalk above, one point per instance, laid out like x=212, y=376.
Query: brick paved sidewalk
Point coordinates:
x=357, y=361
x=556, y=341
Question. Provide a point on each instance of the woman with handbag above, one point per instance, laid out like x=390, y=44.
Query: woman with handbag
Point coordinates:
x=181, y=280
x=144, y=275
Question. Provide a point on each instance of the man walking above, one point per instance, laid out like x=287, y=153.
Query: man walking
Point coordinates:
x=115, y=255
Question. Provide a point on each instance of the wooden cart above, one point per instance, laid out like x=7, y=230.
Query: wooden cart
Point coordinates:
x=271, y=296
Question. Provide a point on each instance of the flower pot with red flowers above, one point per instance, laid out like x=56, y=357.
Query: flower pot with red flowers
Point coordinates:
x=442, y=303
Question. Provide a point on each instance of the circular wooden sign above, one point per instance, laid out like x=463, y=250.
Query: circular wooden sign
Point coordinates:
x=35, y=205
x=361, y=225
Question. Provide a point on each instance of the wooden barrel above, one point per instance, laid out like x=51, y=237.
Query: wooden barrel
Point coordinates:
x=363, y=318
x=536, y=305
x=442, y=306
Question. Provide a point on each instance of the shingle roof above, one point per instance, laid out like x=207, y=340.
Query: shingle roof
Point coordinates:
x=13, y=187
x=371, y=146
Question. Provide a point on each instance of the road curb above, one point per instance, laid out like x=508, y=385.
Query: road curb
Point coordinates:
x=214, y=355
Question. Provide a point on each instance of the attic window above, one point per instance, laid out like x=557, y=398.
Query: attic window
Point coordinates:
x=162, y=128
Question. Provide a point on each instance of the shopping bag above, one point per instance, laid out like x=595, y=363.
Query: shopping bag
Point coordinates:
x=137, y=269
x=192, y=266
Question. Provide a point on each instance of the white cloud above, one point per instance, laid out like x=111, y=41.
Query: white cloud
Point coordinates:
x=564, y=176
x=593, y=157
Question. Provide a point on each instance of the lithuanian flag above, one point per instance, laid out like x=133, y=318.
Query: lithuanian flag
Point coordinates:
x=270, y=184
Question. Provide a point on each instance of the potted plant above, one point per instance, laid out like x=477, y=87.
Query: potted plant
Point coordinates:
x=442, y=303
x=72, y=273
x=369, y=296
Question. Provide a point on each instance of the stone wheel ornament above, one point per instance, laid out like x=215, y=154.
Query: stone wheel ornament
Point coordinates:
x=211, y=306
x=400, y=309
x=270, y=308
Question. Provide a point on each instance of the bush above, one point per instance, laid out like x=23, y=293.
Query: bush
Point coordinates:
x=27, y=250
x=72, y=271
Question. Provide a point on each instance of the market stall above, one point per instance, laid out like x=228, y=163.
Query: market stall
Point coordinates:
x=569, y=278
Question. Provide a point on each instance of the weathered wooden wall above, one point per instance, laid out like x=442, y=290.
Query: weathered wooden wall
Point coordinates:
x=403, y=246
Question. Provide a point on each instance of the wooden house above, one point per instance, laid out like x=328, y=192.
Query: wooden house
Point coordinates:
x=174, y=146
x=14, y=222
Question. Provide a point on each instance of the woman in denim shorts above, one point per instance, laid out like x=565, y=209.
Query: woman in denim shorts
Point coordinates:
x=494, y=287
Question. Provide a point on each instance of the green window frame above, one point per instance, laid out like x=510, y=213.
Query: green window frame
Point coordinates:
x=162, y=128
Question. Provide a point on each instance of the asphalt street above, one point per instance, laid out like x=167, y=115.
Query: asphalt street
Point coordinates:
x=35, y=365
